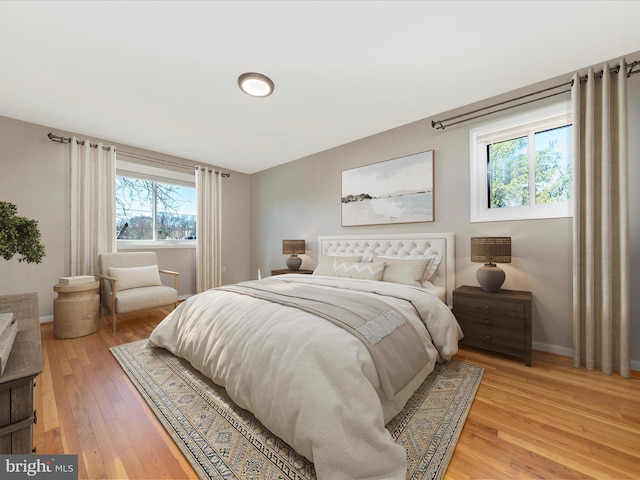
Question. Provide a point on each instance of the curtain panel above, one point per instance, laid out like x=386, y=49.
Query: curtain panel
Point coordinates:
x=601, y=313
x=92, y=205
x=208, y=238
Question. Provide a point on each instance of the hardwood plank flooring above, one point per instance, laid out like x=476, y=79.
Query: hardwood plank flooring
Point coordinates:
x=546, y=421
x=88, y=406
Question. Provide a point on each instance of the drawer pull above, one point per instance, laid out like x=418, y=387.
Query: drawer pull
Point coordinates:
x=35, y=417
x=487, y=337
x=486, y=307
x=487, y=321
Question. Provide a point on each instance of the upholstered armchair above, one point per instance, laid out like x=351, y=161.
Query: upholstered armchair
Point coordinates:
x=130, y=282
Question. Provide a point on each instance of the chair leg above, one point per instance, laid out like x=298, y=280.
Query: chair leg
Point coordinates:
x=113, y=320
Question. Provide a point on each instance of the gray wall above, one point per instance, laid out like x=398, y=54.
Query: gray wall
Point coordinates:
x=301, y=199
x=34, y=175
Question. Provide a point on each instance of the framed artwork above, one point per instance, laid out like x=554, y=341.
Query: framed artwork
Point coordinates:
x=393, y=191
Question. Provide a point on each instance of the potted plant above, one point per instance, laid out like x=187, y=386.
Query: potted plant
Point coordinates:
x=19, y=235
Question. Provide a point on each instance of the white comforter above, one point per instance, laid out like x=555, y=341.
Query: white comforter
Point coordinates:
x=308, y=381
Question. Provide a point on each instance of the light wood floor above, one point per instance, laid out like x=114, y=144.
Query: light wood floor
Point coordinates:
x=548, y=421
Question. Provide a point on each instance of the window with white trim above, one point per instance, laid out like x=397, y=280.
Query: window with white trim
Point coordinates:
x=154, y=207
x=522, y=167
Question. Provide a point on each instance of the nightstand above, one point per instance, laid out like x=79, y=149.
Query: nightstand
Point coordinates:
x=284, y=270
x=500, y=322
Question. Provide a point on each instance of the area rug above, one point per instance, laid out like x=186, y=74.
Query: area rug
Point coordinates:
x=223, y=441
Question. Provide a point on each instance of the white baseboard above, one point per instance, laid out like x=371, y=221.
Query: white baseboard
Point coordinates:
x=568, y=352
x=549, y=348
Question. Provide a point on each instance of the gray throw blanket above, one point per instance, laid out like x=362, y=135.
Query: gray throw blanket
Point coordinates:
x=396, y=349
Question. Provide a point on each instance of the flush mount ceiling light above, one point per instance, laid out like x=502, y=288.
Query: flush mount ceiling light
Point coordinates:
x=255, y=84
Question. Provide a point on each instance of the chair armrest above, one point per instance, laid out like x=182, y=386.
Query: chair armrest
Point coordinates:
x=114, y=288
x=106, y=277
x=169, y=272
x=175, y=277
x=114, y=283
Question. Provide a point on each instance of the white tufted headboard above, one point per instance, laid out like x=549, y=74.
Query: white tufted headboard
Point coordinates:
x=400, y=245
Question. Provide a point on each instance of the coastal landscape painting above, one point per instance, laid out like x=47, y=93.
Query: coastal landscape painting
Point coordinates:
x=393, y=191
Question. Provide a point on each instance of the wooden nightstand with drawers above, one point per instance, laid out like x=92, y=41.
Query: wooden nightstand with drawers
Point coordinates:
x=500, y=322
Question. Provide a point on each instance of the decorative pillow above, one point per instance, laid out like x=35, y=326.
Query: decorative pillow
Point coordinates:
x=134, y=277
x=325, y=263
x=409, y=271
x=363, y=271
x=430, y=272
x=367, y=257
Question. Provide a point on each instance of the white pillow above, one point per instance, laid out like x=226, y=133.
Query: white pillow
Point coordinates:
x=325, y=263
x=363, y=271
x=409, y=271
x=134, y=277
x=430, y=272
x=367, y=257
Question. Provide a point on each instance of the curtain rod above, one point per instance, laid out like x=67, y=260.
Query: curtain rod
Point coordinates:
x=167, y=162
x=59, y=139
x=440, y=124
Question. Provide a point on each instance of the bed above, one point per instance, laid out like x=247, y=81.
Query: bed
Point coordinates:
x=324, y=361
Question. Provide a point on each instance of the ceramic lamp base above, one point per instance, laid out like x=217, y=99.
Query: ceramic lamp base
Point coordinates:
x=294, y=262
x=490, y=278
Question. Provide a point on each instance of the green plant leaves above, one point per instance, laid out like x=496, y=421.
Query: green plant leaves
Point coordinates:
x=19, y=235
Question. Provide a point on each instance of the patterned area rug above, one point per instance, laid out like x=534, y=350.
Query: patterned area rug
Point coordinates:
x=223, y=441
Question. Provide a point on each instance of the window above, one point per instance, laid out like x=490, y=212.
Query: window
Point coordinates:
x=154, y=210
x=522, y=167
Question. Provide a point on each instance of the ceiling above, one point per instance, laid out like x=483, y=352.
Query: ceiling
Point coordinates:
x=163, y=75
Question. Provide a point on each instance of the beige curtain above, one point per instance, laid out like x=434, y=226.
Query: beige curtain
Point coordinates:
x=93, y=204
x=601, y=318
x=208, y=242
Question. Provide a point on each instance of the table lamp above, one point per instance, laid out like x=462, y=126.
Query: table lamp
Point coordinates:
x=490, y=250
x=293, y=248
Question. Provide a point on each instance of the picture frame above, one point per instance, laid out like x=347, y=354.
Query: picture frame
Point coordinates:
x=400, y=190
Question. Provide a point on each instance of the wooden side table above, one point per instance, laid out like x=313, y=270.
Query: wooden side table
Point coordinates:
x=76, y=310
x=500, y=322
x=285, y=270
